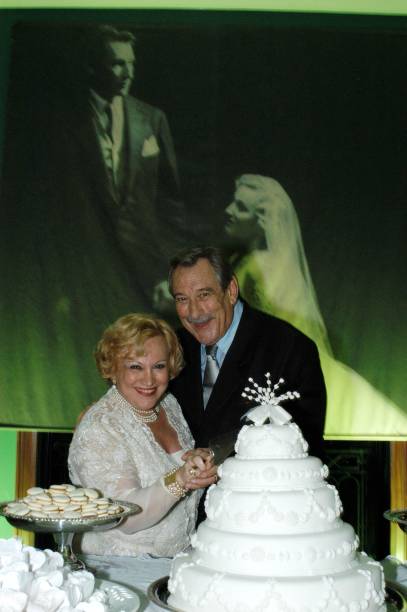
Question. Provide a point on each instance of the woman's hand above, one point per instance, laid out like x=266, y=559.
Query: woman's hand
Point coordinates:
x=202, y=457
x=199, y=469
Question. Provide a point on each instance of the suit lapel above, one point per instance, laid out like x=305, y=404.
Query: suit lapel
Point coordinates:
x=136, y=133
x=88, y=142
x=192, y=403
x=235, y=365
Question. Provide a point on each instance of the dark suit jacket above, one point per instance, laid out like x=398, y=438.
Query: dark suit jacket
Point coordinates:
x=262, y=344
x=146, y=213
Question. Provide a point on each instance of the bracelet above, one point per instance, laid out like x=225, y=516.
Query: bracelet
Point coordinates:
x=172, y=485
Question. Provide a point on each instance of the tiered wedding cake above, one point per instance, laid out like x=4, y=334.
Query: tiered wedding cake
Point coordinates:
x=273, y=540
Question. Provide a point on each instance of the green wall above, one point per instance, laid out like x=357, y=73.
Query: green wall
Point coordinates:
x=8, y=448
x=346, y=6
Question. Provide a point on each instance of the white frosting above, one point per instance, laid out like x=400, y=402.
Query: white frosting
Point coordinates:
x=271, y=441
x=273, y=540
x=273, y=512
x=275, y=555
x=195, y=587
x=272, y=475
x=32, y=580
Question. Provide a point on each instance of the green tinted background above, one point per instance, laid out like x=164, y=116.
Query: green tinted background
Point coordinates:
x=50, y=320
x=8, y=447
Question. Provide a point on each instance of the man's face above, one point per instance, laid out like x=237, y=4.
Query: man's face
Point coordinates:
x=204, y=309
x=115, y=71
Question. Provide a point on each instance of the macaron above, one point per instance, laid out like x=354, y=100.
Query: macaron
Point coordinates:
x=35, y=490
x=91, y=493
x=19, y=509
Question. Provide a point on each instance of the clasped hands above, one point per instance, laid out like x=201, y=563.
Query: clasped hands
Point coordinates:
x=199, y=469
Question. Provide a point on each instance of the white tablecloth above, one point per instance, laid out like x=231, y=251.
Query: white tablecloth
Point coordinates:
x=132, y=572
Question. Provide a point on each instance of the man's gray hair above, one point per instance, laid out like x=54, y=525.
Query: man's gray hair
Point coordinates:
x=189, y=257
x=96, y=38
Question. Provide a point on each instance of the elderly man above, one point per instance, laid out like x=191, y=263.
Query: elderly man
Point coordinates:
x=243, y=343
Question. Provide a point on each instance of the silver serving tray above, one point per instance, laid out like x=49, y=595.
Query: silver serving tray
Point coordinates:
x=158, y=593
x=63, y=530
x=77, y=525
x=397, y=516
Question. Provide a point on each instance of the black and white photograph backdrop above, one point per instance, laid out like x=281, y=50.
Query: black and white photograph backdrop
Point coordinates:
x=280, y=138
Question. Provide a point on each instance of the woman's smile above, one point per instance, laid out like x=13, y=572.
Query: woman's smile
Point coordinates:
x=143, y=379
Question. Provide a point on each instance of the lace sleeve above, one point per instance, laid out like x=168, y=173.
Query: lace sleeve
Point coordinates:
x=155, y=501
x=98, y=458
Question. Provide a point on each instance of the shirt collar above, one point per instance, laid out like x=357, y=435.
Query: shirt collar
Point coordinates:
x=224, y=343
x=100, y=103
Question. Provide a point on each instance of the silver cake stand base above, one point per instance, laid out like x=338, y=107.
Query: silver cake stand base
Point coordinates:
x=63, y=540
x=158, y=593
x=395, y=598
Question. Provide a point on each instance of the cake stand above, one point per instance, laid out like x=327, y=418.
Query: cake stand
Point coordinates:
x=158, y=593
x=63, y=530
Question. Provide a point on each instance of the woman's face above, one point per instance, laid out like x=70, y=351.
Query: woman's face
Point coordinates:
x=143, y=379
x=242, y=221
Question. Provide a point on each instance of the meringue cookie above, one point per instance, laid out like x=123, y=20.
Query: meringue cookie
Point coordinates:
x=44, y=594
x=12, y=601
x=36, y=558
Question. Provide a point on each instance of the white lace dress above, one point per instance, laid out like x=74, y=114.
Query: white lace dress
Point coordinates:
x=114, y=452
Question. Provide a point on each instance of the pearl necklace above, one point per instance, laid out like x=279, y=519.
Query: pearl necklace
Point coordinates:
x=145, y=416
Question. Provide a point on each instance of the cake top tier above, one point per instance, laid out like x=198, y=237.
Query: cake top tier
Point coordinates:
x=273, y=434
x=271, y=441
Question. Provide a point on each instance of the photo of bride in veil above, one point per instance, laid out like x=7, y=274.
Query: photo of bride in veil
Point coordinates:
x=273, y=273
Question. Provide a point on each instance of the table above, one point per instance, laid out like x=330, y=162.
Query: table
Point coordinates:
x=132, y=572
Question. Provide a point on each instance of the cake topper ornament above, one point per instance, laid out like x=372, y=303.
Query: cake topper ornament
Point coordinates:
x=269, y=403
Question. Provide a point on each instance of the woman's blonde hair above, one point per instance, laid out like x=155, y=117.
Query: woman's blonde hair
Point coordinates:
x=130, y=333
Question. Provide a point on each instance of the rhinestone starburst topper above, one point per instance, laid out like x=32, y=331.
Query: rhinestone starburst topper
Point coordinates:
x=269, y=402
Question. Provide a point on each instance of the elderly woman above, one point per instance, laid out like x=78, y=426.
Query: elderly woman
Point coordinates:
x=132, y=444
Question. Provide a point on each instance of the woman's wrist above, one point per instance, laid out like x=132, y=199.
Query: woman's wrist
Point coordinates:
x=173, y=484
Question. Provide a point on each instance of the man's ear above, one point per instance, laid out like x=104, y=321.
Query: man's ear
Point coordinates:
x=233, y=290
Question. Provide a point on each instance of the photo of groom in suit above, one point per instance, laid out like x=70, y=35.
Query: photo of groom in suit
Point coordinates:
x=119, y=157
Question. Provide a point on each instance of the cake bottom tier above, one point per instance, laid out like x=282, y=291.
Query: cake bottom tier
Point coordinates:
x=195, y=588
